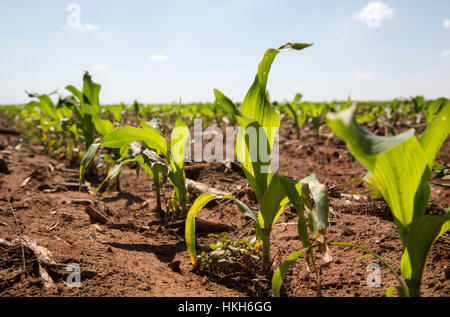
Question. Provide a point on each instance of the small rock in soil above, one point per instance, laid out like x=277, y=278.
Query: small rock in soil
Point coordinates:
x=346, y=230
x=67, y=217
x=95, y=215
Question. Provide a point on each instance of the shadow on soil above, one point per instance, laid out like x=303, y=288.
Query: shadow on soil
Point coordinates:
x=130, y=198
x=165, y=253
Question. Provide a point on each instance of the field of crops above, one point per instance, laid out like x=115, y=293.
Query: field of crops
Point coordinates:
x=258, y=198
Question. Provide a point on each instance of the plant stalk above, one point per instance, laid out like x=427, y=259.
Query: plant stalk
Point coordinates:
x=266, y=253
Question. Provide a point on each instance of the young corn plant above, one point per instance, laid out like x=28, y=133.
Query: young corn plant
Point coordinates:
x=88, y=122
x=210, y=112
x=299, y=194
x=117, y=111
x=133, y=152
x=85, y=105
x=298, y=115
x=258, y=124
x=51, y=119
x=316, y=111
x=419, y=105
x=154, y=145
x=317, y=222
x=400, y=168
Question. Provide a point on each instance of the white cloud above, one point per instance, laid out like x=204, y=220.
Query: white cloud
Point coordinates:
x=99, y=67
x=445, y=53
x=158, y=58
x=91, y=27
x=446, y=24
x=374, y=13
x=363, y=76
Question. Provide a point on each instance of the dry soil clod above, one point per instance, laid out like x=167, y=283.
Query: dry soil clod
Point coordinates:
x=95, y=215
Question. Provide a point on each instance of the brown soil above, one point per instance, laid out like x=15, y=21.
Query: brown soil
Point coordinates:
x=144, y=261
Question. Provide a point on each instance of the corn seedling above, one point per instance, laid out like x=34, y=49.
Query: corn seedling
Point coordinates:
x=85, y=105
x=146, y=158
x=316, y=111
x=298, y=115
x=400, y=168
x=156, y=144
x=258, y=118
x=52, y=120
x=317, y=221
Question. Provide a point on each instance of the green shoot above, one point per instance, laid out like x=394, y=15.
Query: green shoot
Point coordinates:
x=400, y=169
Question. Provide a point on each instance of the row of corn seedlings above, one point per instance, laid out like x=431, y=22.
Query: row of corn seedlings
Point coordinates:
x=399, y=166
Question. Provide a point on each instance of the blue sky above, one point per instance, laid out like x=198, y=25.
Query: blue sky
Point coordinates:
x=161, y=51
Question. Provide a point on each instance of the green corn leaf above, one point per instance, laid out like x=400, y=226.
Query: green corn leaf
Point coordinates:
x=87, y=159
x=297, y=98
x=365, y=256
x=123, y=151
x=299, y=119
x=246, y=211
x=294, y=193
x=256, y=104
x=257, y=107
x=117, y=112
x=294, y=46
x=256, y=112
x=198, y=204
x=272, y=204
x=249, y=147
x=142, y=163
x=389, y=160
x=435, y=134
x=66, y=123
x=363, y=144
x=154, y=165
x=281, y=272
x=400, y=172
x=179, y=137
x=320, y=196
x=228, y=105
x=77, y=93
x=102, y=126
x=115, y=171
x=91, y=90
x=152, y=158
x=418, y=103
x=47, y=107
x=433, y=108
x=422, y=233
x=291, y=112
x=159, y=169
x=125, y=135
x=390, y=291
x=269, y=56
